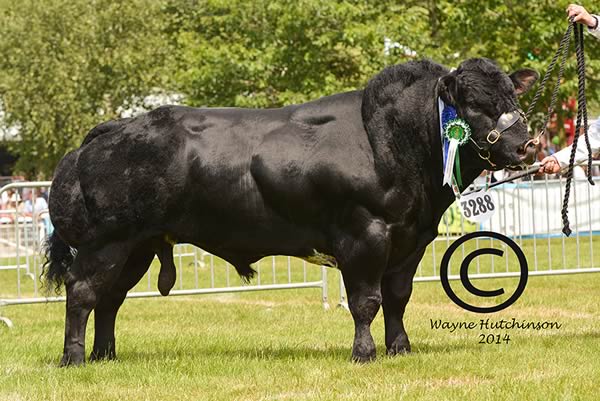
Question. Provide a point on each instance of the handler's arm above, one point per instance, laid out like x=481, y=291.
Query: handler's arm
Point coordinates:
x=596, y=31
x=581, y=154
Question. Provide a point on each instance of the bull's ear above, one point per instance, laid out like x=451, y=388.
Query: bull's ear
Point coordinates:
x=524, y=80
x=448, y=88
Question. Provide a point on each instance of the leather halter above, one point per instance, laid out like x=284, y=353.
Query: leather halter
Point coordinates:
x=505, y=121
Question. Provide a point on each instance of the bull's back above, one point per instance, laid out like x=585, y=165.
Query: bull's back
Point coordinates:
x=162, y=170
x=259, y=163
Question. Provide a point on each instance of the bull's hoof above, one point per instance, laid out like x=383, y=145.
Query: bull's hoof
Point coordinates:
x=363, y=358
x=72, y=359
x=102, y=355
x=400, y=346
x=399, y=350
x=364, y=355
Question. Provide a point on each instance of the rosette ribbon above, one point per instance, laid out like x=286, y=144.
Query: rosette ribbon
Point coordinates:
x=455, y=133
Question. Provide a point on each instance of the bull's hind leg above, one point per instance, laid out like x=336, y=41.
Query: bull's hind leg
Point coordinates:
x=362, y=261
x=396, y=289
x=93, y=270
x=105, y=312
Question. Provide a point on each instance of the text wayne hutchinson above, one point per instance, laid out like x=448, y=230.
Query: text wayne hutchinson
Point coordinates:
x=488, y=324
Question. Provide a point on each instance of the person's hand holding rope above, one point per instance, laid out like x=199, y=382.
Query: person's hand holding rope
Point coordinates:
x=550, y=165
x=581, y=15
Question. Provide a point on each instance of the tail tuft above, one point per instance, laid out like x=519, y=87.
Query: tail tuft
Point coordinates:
x=59, y=257
x=246, y=272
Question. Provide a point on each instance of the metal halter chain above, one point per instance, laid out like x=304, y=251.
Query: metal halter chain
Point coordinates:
x=581, y=107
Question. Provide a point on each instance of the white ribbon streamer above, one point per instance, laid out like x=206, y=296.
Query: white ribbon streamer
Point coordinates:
x=449, y=170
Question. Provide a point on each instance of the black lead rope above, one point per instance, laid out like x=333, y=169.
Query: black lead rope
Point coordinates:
x=563, y=50
x=581, y=116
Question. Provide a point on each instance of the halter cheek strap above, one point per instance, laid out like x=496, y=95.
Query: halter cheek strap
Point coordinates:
x=505, y=121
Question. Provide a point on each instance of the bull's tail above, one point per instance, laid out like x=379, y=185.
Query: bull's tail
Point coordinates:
x=59, y=257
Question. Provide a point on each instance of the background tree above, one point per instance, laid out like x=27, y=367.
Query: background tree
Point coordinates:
x=269, y=53
x=66, y=65
x=70, y=64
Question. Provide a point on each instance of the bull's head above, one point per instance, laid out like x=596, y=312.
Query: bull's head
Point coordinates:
x=486, y=98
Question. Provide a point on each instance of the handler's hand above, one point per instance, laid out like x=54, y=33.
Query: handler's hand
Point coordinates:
x=549, y=165
x=581, y=15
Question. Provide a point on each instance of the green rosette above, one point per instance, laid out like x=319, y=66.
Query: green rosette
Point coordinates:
x=459, y=130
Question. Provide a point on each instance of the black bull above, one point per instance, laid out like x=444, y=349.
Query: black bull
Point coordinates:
x=355, y=176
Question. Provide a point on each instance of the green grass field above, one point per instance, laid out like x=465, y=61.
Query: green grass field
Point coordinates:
x=284, y=346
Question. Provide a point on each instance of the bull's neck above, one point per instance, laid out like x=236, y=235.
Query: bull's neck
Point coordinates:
x=406, y=141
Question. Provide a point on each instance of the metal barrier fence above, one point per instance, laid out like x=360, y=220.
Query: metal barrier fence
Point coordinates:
x=24, y=229
x=528, y=212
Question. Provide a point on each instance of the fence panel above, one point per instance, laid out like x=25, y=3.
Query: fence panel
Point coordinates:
x=530, y=213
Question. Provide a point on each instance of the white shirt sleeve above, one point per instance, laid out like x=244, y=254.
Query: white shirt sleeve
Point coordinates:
x=581, y=154
x=596, y=32
x=40, y=205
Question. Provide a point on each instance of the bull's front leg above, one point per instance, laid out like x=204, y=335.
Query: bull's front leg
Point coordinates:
x=396, y=286
x=362, y=261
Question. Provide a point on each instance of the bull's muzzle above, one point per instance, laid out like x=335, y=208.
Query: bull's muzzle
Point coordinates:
x=528, y=150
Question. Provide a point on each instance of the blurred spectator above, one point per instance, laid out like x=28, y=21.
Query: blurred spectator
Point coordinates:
x=569, y=108
x=36, y=207
x=44, y=194
x=34, y=203
x=9, y=200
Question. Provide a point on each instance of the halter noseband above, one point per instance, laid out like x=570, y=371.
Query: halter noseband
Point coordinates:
x=505, y=121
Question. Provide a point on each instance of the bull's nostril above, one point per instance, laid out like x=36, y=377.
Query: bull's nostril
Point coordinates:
x=527, y=148
x=528, y=155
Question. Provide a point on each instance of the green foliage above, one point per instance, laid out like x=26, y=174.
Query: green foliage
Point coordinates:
x=70, y=64
x=265, y=53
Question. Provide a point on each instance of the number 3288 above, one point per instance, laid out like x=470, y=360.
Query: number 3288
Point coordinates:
x=477, y=206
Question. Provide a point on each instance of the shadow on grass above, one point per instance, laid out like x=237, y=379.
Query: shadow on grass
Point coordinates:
x=252, y=353
x=266, y=353
x=300, y=352
x=283, y=353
